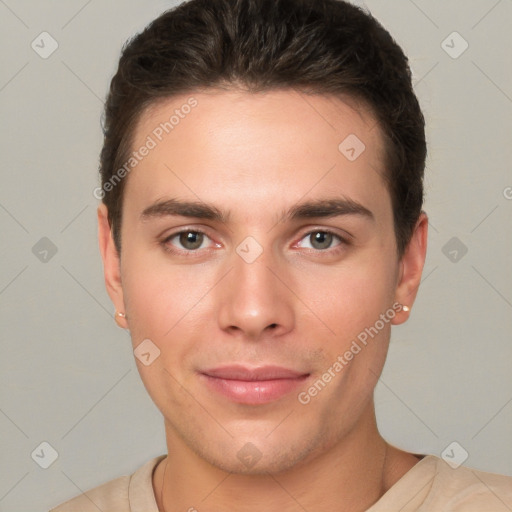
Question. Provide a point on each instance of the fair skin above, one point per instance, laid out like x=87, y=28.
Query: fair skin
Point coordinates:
x=298, y=305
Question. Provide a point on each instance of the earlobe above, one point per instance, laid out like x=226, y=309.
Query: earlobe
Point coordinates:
x=120, y=319
x=111, y=264
x=411, y=269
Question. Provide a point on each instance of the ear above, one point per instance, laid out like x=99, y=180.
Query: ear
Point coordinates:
x=411, y=268
x=111, y=265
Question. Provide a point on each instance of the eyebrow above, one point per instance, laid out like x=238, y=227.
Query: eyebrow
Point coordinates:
x=319, y=208
x=323, y=208
x=174, y=207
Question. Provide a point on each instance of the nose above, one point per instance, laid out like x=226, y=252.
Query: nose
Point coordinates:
x=254, y=300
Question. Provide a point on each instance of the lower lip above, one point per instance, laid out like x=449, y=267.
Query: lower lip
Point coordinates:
x=254, y=392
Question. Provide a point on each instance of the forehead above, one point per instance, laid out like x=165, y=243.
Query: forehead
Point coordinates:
x=252, y=147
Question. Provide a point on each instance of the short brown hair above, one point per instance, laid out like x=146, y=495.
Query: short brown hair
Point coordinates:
x=315, y=46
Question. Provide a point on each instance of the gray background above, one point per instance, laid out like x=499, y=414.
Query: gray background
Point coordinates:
x=67, y=372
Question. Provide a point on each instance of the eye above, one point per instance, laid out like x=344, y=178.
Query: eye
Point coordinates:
x=187, y=240
x=321, y=240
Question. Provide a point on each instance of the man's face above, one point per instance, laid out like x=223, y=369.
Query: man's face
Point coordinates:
x=270, y=284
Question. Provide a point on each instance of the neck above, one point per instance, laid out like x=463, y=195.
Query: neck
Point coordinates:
x=349, y=476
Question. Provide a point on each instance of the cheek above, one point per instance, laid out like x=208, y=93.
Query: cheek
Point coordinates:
x=164, y=302
x=349, y=297
x=162, y=305
x=152, y=289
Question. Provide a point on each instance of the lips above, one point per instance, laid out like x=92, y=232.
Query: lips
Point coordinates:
x=253, y=386
x=251, y=374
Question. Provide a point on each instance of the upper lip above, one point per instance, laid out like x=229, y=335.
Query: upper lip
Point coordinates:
x=238, y=372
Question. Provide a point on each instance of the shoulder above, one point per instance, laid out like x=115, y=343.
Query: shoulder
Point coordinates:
x=112, y=496
x=432, y=485
x=116, y=495
x=466, y=489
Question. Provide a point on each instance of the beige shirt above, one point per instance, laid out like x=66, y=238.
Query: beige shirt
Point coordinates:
x=431, y=485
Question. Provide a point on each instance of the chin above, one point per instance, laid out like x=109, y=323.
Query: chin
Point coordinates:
x=258, y=456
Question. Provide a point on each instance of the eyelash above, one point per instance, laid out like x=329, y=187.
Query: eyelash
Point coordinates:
x=192, y=253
